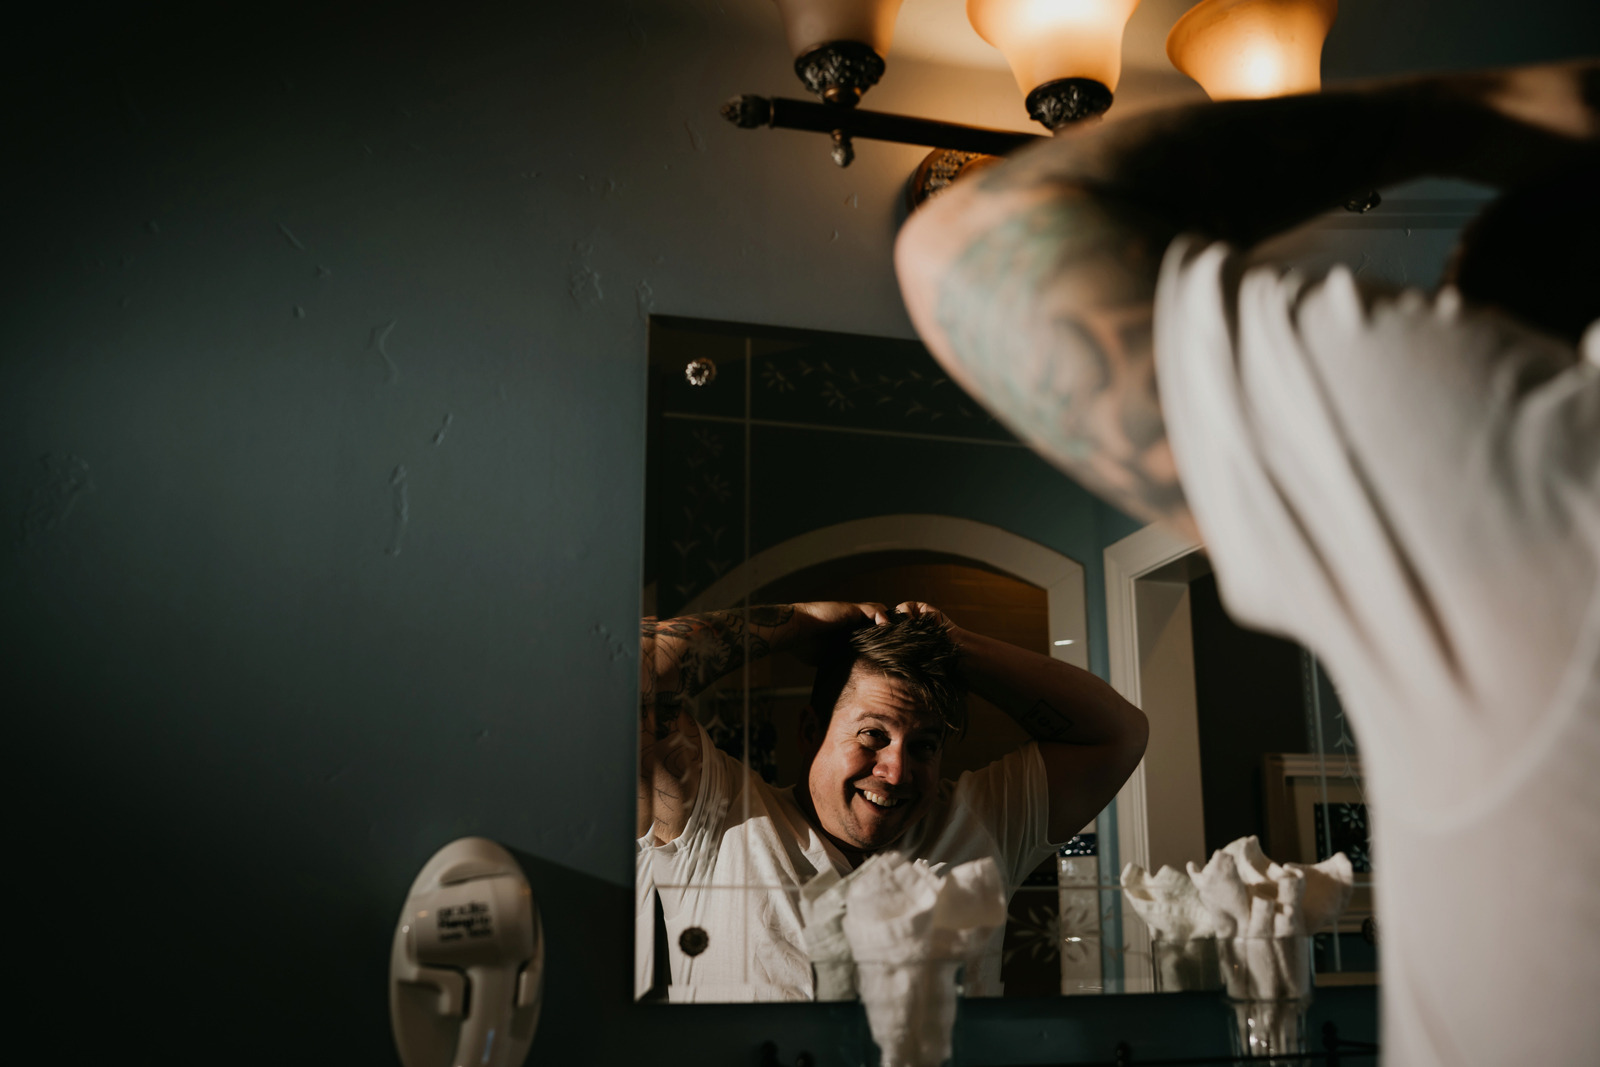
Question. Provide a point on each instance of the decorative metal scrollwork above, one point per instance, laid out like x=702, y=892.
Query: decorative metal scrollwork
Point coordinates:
x=1067, y=100
x=939, y=170
x=840, y=71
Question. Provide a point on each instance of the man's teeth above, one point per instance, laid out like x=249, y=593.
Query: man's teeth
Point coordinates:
x=880, y=800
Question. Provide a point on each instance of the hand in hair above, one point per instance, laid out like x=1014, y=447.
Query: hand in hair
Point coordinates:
x=817, y=622
x=679, y=658
x=916, y=609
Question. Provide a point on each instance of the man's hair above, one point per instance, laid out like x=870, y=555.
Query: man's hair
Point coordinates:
x=917, y=651
x=1532, y=253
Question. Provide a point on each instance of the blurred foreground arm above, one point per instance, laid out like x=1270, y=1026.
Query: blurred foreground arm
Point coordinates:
x=1033, y=282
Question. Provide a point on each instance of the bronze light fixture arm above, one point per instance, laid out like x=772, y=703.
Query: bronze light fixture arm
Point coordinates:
x=749, y=112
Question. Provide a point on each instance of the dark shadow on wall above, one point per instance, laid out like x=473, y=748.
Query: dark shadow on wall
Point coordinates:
x=588, y=930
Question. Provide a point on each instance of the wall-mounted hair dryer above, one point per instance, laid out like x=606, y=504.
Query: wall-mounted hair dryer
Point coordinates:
x=467, y=968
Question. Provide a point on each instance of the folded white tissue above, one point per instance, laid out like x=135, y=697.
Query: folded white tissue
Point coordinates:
x=822, y=909
x=1240, y=893
x=1257, y=916
x=896, y=932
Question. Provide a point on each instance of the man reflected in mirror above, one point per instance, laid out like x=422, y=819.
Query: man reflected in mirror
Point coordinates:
x=890, y=690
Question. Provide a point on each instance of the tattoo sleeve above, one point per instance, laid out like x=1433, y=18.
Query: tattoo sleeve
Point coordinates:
x=679, y=658
x=1049, y=316
x=692, y=652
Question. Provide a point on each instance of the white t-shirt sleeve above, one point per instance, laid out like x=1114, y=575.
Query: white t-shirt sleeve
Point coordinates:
x=1406, y=486
x=1010, y=798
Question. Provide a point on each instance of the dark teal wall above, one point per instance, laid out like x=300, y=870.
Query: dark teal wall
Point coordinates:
x=269, y=636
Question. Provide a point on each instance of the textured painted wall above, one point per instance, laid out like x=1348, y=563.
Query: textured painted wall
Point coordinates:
x=321, y=457
x=321, y=428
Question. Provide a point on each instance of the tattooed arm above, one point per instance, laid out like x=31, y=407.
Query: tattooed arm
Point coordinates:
x=1089, y=737
x=680, y=658
x=1033, y=282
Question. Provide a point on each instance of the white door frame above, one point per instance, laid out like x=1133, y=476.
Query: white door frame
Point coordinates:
x=1127, y=561
x=1061, y=577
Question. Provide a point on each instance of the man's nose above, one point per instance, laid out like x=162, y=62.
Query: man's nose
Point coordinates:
x=890, y=766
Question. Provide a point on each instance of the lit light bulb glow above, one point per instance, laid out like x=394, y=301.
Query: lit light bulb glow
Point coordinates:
x=1261, y=71
x=1046, y=40
x=1251, y=49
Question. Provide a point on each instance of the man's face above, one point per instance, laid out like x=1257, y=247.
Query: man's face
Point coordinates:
x=876, y=767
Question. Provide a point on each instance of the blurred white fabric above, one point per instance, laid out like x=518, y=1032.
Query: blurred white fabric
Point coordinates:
x=1410, y=487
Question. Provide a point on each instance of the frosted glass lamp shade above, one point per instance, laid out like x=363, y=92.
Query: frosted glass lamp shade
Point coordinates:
x=839, y=45
x=1052, y=40
x=809, y=24
x=1250, y=49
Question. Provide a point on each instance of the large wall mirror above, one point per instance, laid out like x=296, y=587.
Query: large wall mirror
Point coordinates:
x=788, y=466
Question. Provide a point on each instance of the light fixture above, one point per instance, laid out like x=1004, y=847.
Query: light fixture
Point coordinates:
x=1252, y=49
x=940, y=169
x=1255, y=49
x=1066, y=54
x=839, y=45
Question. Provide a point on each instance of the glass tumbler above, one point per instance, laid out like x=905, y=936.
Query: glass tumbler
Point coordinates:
x=1267, y=984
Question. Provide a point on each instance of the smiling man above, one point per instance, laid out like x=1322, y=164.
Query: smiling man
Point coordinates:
x=889, y=691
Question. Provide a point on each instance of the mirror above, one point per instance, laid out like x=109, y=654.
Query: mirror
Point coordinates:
x=1247, y=738
x=818, y=467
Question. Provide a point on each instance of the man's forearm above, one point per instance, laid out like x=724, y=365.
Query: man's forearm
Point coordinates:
x=1033, y=283
x=692, y=652
x=1244, y=170
x=679, y=658
x=1051, y=700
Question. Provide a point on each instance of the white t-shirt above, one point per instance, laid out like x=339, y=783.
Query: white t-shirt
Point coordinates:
x=1411, y=488
x=737, y=869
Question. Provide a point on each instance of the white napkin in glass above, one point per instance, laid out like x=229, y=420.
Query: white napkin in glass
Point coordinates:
x=911, y=927
x=822, y=903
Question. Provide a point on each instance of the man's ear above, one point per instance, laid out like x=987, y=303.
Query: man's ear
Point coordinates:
x=811, y=731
